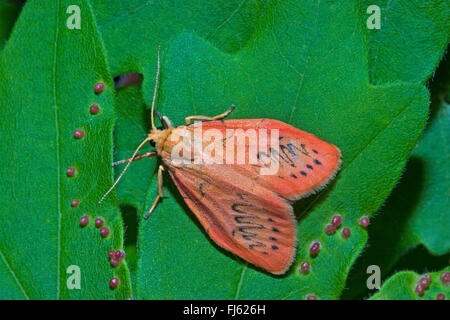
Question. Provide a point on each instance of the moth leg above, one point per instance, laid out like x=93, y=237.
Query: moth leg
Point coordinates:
x=160, y=191
x=139, y=157
x=205, y=118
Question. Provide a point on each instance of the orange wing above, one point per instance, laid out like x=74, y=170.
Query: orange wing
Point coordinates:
x=249, y=214
x=240, y=216
x=306, y=163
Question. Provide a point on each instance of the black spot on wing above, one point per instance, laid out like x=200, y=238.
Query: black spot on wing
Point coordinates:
x=200, y=188
x=236, y=207
x=241, y=196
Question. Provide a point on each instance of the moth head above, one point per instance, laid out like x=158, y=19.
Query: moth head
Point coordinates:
x=155, y=136
x=157, y=133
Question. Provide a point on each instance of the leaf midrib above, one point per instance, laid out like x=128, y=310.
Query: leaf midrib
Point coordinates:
x=58, y=160
x=58, y=171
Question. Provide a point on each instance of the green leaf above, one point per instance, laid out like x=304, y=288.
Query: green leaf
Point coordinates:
x=298, y=67
x=430, y=220
x=401, y=286
x=8, y=13
x=47, y=77
x=410, y=42
x=417, y=210
x=131, y=29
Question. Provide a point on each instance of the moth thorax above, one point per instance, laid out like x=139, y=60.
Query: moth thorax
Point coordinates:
x=158, y=137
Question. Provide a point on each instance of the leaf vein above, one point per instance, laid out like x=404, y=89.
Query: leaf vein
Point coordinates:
x=241, y=279
x=14, y=275
x=58, y=164
x=308, y=57
x=228, y=19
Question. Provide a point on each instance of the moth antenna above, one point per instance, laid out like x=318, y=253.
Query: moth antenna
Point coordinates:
x=156, y=90
x=123, y=171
